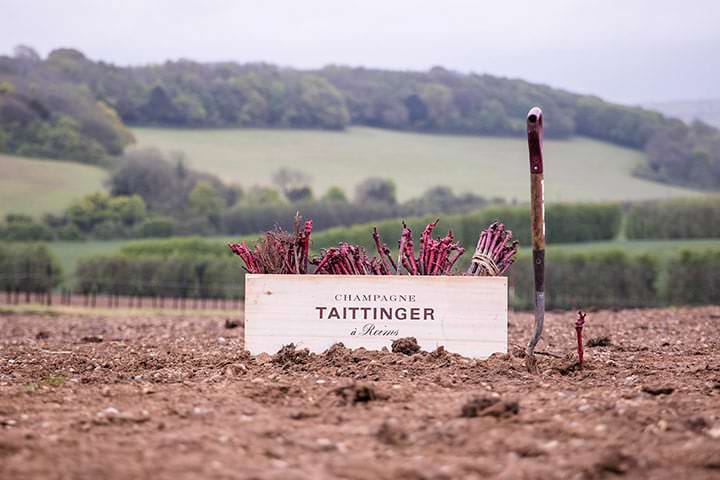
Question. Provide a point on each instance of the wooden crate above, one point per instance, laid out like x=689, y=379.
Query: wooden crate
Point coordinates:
x=466, y=315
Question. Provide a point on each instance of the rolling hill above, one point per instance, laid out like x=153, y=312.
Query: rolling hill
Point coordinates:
x=34, y=186
x=577, y=169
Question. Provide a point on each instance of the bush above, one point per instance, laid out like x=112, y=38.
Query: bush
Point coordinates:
x=682, y=218
x=568, y=223
x=25, y=232
x=693, y=278
x=608, y=279
x=108, y=230
x=183, y=246
x=69, y=233
x=28, y=268
x=157, y=227
x=180, y=276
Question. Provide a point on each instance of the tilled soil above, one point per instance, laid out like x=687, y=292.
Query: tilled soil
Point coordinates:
x=132, y=396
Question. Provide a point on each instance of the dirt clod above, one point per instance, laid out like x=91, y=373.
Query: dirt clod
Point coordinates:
x=697, y=423
x=231, y=323
x=42, y=335
x=355, y=393
x=288, y=355
x=598, y=342
x=406, y=346
x=656, y=390
x=392, y=433
x=615, y=461
x=571, y=367
x=92, y=339
x=113, y=415
x=489, y=407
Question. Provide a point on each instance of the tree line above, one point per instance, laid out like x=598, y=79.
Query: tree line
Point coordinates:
x=69, y=105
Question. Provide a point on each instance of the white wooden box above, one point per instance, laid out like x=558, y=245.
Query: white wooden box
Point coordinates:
x=466, y=315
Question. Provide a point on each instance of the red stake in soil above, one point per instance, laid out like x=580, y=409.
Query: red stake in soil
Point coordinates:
x=579, y=323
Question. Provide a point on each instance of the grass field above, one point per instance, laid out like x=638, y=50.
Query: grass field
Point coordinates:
x=70, y=252
x=35, y=187
x=576, y=169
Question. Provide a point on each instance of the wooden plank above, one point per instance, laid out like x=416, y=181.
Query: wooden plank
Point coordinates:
x=466, y=315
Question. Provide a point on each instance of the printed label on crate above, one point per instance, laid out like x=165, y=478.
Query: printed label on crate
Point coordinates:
x=466, y=315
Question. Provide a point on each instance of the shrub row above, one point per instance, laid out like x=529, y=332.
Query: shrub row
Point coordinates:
x=157, y=276
x=693, y=278
x=681, y=218
x=565, y=224
x=183, y=246
x=614, y=279
x=246, y=219
x=28, y=268
x=599, y=279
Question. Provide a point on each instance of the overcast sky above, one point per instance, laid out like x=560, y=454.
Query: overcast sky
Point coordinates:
x=628, y=51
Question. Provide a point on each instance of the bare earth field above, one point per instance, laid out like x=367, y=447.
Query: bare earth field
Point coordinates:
x=100, y=395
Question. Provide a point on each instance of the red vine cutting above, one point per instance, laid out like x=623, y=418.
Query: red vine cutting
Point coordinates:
x=279, y=251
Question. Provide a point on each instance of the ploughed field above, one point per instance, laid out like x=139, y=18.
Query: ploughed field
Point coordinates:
x=130, y=395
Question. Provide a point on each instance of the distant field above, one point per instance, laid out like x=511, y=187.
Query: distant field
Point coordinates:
x=707, y=110
x=576, y=169
x=70, y=252
x=35, y=187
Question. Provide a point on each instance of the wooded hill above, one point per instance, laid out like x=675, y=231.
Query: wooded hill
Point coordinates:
x=66, y=105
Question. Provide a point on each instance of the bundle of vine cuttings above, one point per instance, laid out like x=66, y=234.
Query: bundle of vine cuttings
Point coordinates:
x=347, y=259
x=287, y=253
x=279, y=251
x=435, y=256
x=494, y=252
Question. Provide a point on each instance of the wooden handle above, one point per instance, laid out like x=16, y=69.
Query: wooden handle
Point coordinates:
x=537, y=194
x=537, y=211
x=537, y=224
x=535, y=139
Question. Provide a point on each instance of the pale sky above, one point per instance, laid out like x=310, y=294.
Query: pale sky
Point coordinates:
x=627, y=51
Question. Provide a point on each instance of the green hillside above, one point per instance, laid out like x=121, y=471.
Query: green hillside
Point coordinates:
x=578, y=169
x=35, y=186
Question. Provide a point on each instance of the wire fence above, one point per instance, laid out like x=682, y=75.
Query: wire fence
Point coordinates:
x=70, y=297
